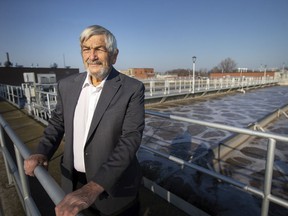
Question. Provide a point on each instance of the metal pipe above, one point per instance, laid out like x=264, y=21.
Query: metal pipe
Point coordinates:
x=2, y=142
x=193, y=68
x=268, y=176
x=278, y=201
x=49, y=184
x=33, y=210
x=220, y=126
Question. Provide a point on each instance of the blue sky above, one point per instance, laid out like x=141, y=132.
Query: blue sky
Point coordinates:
x=162, y=34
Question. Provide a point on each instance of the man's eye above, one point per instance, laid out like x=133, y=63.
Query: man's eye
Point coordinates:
x=101, y=49
x=85, y=50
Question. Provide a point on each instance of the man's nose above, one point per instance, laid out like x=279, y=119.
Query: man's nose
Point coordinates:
x=93, y=54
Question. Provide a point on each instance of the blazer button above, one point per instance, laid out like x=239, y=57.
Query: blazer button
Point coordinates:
x=86, y=153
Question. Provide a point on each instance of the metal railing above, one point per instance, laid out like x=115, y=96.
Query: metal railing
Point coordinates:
x=164, y=87
x=265, y=194
x=13, y=94
x=16, y=174
x=40, y=99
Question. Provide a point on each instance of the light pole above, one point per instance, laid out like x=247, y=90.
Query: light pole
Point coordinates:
x=265, y=73
x=193, y=81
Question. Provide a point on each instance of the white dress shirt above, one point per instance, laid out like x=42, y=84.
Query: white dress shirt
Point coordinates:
x=83, y=115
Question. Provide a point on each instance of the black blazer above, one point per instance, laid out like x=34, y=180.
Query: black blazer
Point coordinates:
x=113, y=139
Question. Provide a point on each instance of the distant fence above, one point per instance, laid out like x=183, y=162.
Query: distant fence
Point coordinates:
x=13, y=94
x=156, y=87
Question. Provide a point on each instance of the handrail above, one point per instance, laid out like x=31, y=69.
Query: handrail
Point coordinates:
x=220, y=126
x=49, y=184
x=266, y=193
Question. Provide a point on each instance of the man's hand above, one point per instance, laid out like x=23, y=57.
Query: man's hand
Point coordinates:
x=33, y=161
x=78, y=200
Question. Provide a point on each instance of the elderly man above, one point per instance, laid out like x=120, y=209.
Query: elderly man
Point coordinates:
x=101, y=113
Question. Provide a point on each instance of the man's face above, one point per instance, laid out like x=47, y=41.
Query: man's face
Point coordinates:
x=96, y=57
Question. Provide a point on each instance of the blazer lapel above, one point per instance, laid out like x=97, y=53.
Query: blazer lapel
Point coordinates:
x=110, y=88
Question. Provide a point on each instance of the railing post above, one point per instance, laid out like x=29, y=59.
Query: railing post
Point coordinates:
x=13, y=95
x=48, y=104
x=167, y=87
x=2, y=142
x=152, y=87
x=268, y=176
x=8, y=93
x=29, y=99
x=20, y=96
x=5, y=92
x=23, y=179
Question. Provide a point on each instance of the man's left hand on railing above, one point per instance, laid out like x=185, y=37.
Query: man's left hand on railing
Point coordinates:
x=79, y=200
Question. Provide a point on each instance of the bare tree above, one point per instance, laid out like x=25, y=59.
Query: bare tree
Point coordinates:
x=227, y=65
x=179, y=72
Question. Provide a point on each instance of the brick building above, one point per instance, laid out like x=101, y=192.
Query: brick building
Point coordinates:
x=140, y=73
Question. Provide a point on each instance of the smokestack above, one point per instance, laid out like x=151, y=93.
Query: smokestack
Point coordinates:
x=7, y=54
x=8, y=63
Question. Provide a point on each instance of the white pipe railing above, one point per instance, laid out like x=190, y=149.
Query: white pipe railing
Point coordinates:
x=164, y=87
x=13, y=94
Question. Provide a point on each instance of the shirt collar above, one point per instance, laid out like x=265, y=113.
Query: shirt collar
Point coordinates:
x=88, y=82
